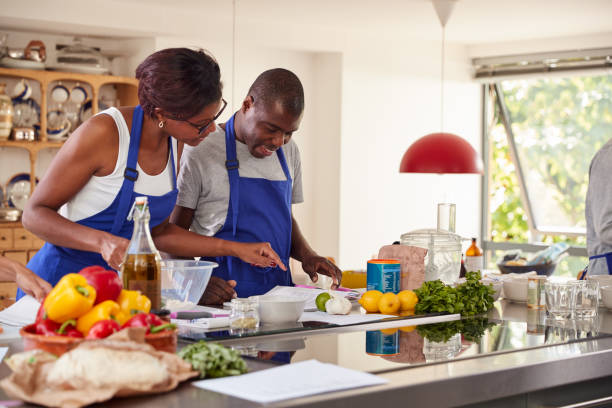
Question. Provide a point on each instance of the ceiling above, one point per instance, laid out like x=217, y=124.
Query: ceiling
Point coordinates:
x=472, y=22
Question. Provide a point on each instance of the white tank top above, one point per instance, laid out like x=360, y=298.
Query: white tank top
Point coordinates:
x=100, y=192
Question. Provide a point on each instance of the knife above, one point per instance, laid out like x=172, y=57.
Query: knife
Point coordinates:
x=193, y=315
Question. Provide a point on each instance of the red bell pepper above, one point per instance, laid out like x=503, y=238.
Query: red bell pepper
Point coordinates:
x=152, y=322
x=41, y=314
x=47, y=327
x=68, y=329
x=106, y=282
x=102, y=329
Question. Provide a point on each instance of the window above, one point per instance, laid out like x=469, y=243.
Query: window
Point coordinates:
x=542, y=134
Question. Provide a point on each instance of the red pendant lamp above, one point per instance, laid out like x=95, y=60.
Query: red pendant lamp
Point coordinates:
x=441, y=152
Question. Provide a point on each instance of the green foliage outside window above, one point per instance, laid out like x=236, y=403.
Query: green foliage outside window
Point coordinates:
x=558, y=124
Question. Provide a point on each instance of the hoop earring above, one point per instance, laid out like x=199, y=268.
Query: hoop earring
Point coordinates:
x=161, y=124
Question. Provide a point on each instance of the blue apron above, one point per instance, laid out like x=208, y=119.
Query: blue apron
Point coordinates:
x=259, y=210
x=52, y=262
x=608, y=257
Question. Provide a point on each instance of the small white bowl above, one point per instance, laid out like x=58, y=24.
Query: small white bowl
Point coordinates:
x=515, y=290
x=280, y=309
x=606, y=296
x=497, y=286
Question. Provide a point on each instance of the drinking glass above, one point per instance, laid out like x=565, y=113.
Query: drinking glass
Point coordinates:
x=586, y=298
x=559, y=330
x=560, y=299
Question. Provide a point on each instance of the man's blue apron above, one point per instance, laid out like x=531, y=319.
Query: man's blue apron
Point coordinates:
x=259, y=210
x=52, y=262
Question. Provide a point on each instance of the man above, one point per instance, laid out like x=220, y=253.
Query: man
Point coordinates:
x=598, y=213
x=240, y=182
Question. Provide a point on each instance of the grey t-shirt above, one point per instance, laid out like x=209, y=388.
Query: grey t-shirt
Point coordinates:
x=203, y=182
x=598, y=210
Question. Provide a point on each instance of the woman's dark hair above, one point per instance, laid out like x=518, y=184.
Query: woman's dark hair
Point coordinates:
x=180, y=81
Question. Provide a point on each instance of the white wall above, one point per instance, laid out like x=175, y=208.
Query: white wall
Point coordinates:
x=368, y=98
x=390, y=99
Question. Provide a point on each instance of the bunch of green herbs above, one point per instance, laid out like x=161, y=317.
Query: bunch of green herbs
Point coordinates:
x=469, y=298
x=213, y=360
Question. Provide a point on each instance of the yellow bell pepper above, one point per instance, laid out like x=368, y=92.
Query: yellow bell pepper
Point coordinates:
x=106, y=310
x=132, y=302
x=71, y=298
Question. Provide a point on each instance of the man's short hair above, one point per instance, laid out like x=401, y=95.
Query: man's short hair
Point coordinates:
x=279, y=85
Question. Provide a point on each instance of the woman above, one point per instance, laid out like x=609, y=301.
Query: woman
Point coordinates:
x=81, y=204
x=31, y=284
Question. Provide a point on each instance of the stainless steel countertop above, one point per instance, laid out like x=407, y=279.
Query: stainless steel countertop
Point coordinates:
x=442, y=384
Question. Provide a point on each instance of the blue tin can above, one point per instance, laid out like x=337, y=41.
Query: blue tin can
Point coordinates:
x=384, y=275
x=382, y=344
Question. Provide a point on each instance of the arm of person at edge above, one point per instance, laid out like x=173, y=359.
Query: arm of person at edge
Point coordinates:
x=601, y=207
x=312, y=263
x=92, y=151
x=27, y=280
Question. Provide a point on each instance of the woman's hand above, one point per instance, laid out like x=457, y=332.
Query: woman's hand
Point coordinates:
x=113, y=251
x=259, y=254
x=31, y=284
x=218, y=291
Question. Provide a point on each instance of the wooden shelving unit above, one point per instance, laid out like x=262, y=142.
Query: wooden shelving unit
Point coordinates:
x=15, y=241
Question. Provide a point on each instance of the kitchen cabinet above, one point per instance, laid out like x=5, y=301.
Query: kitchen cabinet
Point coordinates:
x=15, y=242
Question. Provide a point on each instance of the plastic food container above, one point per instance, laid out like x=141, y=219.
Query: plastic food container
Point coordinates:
x=443, y=259
x=185, y=280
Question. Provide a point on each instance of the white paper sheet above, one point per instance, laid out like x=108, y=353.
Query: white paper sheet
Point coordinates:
x=3, y=351
x=305, y=293
x=342, y=319
x=20, y=313
x=290, y=381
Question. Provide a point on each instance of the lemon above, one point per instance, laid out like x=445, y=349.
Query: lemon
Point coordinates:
x=408, y=300
x=369, y=300
x=389, y=303
x=389, y=331
x=321, y=300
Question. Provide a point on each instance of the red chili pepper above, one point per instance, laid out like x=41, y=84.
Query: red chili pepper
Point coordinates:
x=47, y=327
x=148, y=320
x=102, y=329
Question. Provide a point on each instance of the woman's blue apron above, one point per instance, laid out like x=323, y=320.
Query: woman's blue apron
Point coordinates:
x=52, y=262
x=259, y=210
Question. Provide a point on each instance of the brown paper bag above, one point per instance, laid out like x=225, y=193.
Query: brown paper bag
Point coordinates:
x=30, y=378
x=412, y=261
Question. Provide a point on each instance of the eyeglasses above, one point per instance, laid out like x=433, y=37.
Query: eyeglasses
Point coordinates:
x=202, y=129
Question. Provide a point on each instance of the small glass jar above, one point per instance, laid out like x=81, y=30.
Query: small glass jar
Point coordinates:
x=244, y=317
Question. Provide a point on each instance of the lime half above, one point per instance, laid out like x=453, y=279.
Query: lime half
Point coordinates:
x=321, y=300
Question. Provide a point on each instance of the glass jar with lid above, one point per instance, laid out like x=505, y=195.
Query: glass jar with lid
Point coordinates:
x=79, y=55
x=443, y=259
x=244, y=316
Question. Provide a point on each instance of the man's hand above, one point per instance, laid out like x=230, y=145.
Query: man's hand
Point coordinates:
x=218, y=291
x=318, y=264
